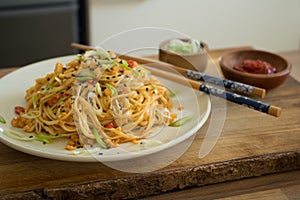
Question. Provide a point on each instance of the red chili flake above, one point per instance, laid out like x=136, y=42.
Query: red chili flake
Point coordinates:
x=19, y=110
x=131, y=63
x=109, y=125
x=55, y=99
x=92, y=82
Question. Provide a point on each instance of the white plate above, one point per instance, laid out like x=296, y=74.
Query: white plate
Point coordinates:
x=14, y=85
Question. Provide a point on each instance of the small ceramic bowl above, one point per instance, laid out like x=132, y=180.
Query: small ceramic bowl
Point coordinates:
x=193, y=61
x=266, y=81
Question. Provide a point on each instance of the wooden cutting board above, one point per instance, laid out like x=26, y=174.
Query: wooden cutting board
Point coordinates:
x=251, y=144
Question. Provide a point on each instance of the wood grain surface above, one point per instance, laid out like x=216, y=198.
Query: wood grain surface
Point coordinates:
x=278, y=186
x=251, y=144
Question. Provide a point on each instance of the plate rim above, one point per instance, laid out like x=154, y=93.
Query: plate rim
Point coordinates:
x=79, y=158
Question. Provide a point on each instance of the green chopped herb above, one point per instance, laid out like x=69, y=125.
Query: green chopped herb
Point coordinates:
x=136, y=72
x=153, y=85
x=103, y=54
x=125, y=65
x=45, y=138
x=173, y=94
x=181, y=121
x=106, y=63
x=112, y=89
x=85, y=78
x=63, y=99
x=85, y=75
x=2, y=120
x=33, y=98
x=98, y=89
x=131, y=82
x=31, y=115
x=179, y=46
x=98, y=139
x=21, y=136
x=48, y=87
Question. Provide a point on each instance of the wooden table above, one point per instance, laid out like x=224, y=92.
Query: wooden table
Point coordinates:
x=252, y=144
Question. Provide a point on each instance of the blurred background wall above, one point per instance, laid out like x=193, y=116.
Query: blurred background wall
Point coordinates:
x=33, y=30
x=265, y=24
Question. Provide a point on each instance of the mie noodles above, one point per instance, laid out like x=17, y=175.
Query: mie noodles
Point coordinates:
x=96, y=99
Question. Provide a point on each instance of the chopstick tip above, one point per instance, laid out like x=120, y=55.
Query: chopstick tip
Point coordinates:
x=260, y=92
x=275, y=111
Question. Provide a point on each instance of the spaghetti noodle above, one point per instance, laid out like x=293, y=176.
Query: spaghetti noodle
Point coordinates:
x=96, y=99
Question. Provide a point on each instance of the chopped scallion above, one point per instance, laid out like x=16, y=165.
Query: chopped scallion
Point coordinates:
x=45, y=138
x=173, y=94
x=63, y=99
x=112, y=89
x=153, y=85
x=125, y=65
x=31, y=115
x=34, y=103
x=85, y=75
x=181, y=121
x=20, y=136
x=98, y=139
x=2, y=120
x=135, y=72
x=98, y=89
x=48, y=86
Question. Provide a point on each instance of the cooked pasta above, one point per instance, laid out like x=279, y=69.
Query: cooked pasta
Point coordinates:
x=96, y=99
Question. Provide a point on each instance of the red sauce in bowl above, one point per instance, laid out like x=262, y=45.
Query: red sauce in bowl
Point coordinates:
x=255, y=67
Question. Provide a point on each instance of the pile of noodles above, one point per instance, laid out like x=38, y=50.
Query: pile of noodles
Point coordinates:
x=96, y=99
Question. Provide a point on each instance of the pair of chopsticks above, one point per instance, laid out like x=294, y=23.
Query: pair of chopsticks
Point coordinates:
x=196, y=79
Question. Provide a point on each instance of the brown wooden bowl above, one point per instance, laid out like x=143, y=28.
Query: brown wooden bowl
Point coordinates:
x=267, y=81
x=190, y=61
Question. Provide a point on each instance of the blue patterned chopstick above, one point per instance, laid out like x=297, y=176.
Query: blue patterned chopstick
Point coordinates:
x=198, y=76
x=232, y=85
x=242, y=100
x=215, y=91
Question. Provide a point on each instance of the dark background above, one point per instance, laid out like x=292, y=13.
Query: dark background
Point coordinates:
x=33, y=30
